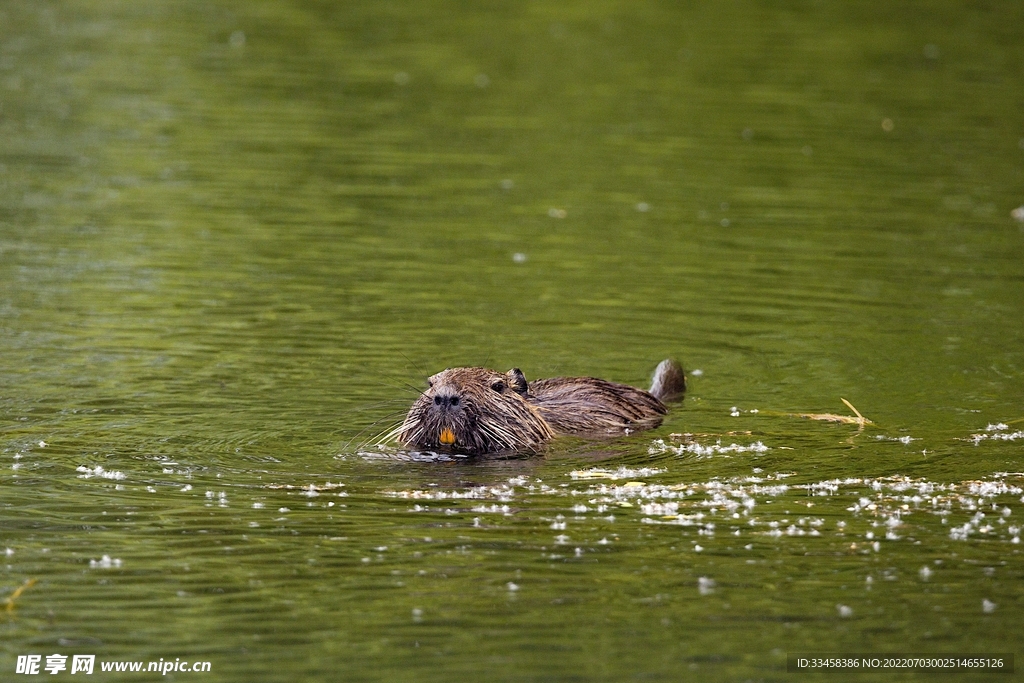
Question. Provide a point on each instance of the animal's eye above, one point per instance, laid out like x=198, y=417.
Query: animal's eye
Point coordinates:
x=498, y=386
x=429, y=383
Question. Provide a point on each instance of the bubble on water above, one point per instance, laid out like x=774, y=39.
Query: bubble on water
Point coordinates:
x=705, y=586
x=481, y=81
x=696, y=373
x=807, y=150
x=105, y=562
x=925, y=572
x=698, y=548
x=987, y=606
x=931, y=51
x=748, y=134
x=557, y=213
x=724, y=222
x=519, y=257
x=417, y=614
x=507, y=184
x=512, y=587
x=401, y=78
x=643, y=207
x=237, y=39
x=1018, y=213
x=845, y=611
x=888, y=125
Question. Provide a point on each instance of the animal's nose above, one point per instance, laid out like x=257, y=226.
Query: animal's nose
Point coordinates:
x=443, y=401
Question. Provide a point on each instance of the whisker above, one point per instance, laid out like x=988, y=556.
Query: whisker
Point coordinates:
x=362, y=431
x=414, y=365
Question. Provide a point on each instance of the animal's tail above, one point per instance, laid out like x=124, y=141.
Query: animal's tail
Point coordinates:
x=668, y=380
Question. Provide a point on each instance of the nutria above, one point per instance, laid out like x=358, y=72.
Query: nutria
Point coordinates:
x=476, y=410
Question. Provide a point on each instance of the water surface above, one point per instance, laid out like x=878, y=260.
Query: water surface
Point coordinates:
x=235, y=237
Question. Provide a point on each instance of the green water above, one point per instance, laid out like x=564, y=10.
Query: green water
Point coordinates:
x=236, y=236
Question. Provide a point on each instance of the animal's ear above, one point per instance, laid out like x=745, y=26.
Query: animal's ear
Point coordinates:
x=517, y=380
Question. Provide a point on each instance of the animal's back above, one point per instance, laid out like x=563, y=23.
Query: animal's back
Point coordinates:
x=581, y=405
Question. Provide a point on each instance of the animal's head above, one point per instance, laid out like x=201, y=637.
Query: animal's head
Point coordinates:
x=474, y=411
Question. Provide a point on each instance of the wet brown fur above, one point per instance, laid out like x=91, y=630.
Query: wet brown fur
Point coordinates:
x=487, y=411
x=587, y=405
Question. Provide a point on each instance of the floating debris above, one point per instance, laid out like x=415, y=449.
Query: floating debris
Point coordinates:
x=311, y=490
x=859, y=420
x=500, y=493
x=98, y=471
x=659, y=446
x=105, y=562
x=621, y=473
x=900, y=439
x=997, y=432
x=9, y=603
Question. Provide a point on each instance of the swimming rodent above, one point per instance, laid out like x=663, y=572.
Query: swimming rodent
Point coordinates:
x=477, y=410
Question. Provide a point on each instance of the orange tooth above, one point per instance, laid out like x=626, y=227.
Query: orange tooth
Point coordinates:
x=447, y=437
